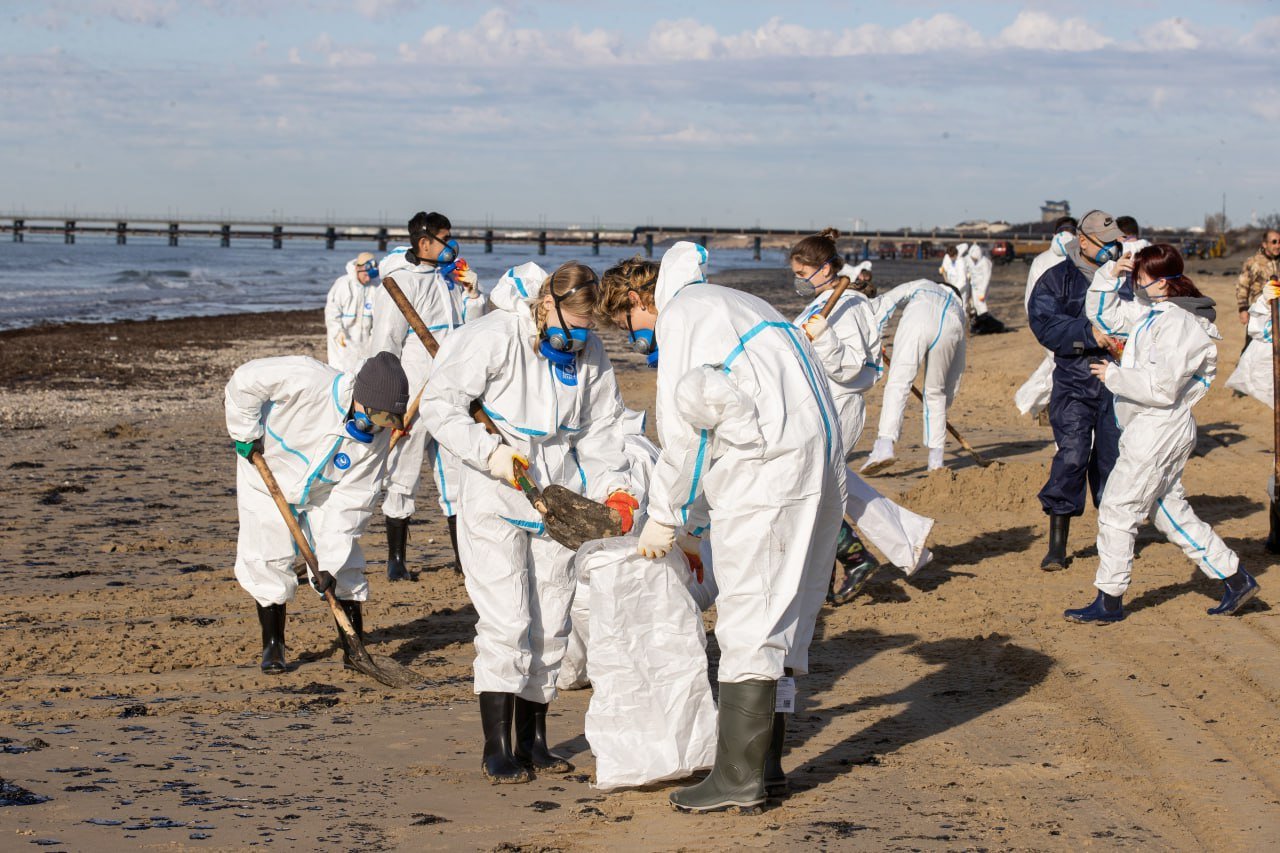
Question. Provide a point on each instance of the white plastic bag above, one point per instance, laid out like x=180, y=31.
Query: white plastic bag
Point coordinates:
x=651, y=715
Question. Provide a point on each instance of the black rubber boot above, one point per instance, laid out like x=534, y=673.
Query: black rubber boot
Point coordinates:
x=356, y=618
x=775, y=778
x=397, y=540
x=531, y=738
x=452, y=520
x=499, y=765
x=1273, y=537
x=742, y=745
x=1056, y=559
x=857, y=562
x=272, y=620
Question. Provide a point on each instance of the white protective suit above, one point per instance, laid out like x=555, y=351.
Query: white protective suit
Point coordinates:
x=1253, y=375
x=978, y=268
x=443, y=307
x=1033, y=397
x=746, y=420
x=1168, y=363
x=298, y=407
x=520, y=581
x=956, y=272
x=850, y=356
x=348, y=320
x=932, y=331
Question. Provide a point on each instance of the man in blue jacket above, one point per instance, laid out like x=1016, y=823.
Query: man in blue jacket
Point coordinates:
x=1081, y=409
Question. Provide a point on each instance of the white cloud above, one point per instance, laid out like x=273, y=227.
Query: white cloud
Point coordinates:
x=1169, y=34
x=1042, y=31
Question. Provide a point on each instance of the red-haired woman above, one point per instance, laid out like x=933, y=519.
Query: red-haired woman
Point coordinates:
x=1167, y=365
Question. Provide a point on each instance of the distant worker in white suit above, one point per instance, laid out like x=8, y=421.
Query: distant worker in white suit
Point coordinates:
x=348, y=313
x=931, y=334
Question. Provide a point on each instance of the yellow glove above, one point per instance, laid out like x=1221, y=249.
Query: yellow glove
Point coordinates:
x=467, y=278
x=342, y=339
x=1272, y=290
x=502, y=464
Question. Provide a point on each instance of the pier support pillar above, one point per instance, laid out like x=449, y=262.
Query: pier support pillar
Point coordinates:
x=277, y=236
x=703, y=240
x=330, y=237
x=226, y=237
x=488, y=241
x=595, y=243
x=648, y=245
x=755, y=249
x=121, y=228
x=18, y=226
x=382, y=239
x=69, y=232
x=542, y=242
x=173, y=233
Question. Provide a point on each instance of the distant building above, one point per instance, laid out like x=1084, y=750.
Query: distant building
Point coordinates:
x=983, y=226
x=1051, y=210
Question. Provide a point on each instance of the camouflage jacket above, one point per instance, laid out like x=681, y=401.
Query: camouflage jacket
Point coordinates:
x=1257, y=271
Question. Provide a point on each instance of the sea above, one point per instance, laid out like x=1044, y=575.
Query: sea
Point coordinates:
x=44, y=281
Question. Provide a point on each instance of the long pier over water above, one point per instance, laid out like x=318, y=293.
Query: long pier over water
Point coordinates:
x=904, y=242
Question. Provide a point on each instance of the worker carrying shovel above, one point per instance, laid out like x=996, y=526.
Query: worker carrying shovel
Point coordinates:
x=324, y=435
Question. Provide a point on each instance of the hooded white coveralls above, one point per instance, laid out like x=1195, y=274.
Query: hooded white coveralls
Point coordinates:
x=520, y=581
x=766, y=453
x=348, y=320
x=978, y=269
x=1253, y=375
x=443, y=307
x=1168, y=363
x=850, y=356
x=932, y=330
x=1033, y=397
x=956, y=273
x=298, y=407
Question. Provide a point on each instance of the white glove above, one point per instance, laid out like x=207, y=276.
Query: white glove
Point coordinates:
x=502, y=464
x=466, y=278
x=656, y=540
x=816, y=326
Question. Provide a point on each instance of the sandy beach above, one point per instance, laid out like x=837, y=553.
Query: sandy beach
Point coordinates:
x=952, y=711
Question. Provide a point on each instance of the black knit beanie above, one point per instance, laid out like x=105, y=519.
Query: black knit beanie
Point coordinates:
x=382, y=385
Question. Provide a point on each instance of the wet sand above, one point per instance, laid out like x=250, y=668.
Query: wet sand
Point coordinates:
x=952, y=711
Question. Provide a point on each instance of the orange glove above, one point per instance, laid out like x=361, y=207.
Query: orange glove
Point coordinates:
x=625, y=505
x=692, y=547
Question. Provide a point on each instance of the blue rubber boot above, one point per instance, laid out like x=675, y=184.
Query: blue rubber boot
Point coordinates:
x=1239, y=589
x=1104, y=610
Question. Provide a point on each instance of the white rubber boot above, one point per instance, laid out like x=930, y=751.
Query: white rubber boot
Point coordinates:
x=881, y=457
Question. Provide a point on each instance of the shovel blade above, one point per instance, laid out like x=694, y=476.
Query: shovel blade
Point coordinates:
x=571, y=519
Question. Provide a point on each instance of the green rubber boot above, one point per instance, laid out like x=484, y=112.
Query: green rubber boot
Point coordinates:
x=746, y=729
x=775, y=778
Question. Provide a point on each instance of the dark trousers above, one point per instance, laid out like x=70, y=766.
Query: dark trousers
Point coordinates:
x=1088, y=440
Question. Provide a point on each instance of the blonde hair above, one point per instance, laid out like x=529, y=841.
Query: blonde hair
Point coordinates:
x=570, y=276
x=634, y=274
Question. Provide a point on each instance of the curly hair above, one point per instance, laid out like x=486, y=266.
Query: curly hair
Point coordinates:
x=634, y=274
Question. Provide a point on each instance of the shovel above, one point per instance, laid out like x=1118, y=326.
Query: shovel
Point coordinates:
x=384, y=669
x=567, y=517
x=955, y=433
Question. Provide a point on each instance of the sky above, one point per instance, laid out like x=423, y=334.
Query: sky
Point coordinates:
x=722, y=113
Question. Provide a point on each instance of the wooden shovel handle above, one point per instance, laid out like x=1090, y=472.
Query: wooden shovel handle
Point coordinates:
x=835, y=297
x=1275, y=374
x=300, y=539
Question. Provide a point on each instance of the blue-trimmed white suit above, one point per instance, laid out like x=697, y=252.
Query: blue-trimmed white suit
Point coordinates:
x=932, y=330
x=443, y=307
x=298, y=407
x=569, y=425
x=748, y=428
x=1169, y=361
